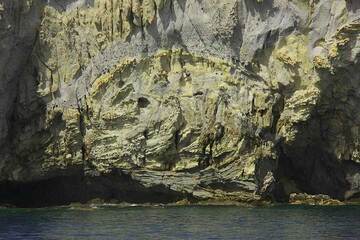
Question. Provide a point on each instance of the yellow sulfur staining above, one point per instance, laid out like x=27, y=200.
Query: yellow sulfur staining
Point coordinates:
x=103, y=80
x=167, y=65
x=321, y=62
x=125, y=65
x=163, y=53
x=110, y=116
x=70, y=114
x=293, y=51
x=336, y=44
x=333, y=50
x=96, y=24
x=339, y=42
x=343, y=37
x=201, y=62
x=100, y=82
x=144, y=12
x=286, y=58
x=148, y=11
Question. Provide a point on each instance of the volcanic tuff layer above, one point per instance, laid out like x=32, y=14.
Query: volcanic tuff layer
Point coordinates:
x=164, y=100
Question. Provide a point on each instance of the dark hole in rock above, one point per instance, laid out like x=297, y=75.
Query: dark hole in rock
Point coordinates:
x=146, y=134
x=63, y=190
x=177, y=138
x=198, y=93
x=143, y=102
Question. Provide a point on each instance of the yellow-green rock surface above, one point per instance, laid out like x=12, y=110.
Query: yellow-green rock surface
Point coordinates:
x=165, y=100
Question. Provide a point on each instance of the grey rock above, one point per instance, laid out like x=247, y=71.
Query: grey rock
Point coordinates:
x=238, y=100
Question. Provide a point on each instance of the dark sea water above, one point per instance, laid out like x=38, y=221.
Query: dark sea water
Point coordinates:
x=282, y=222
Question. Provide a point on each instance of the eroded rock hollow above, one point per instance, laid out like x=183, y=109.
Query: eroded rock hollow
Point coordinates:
x=165, y=100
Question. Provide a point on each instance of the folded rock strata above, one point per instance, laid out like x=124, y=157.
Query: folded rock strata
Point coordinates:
x=163, y=100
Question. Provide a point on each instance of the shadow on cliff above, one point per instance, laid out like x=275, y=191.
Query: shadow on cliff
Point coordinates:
x=116, y=187
x=353, y=5
x=311, y=161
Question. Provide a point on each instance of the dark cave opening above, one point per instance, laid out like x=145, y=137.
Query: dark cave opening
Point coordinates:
x=143, y=102
x=64, y=190
x=312, y=171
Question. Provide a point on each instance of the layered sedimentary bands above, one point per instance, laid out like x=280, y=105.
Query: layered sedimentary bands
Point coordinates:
x=168, y=100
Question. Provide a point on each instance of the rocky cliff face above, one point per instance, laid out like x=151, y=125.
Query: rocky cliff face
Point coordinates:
x=164, y=100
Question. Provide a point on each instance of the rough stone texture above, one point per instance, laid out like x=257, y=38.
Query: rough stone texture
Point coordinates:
x=306, y=199
x=239, y=100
